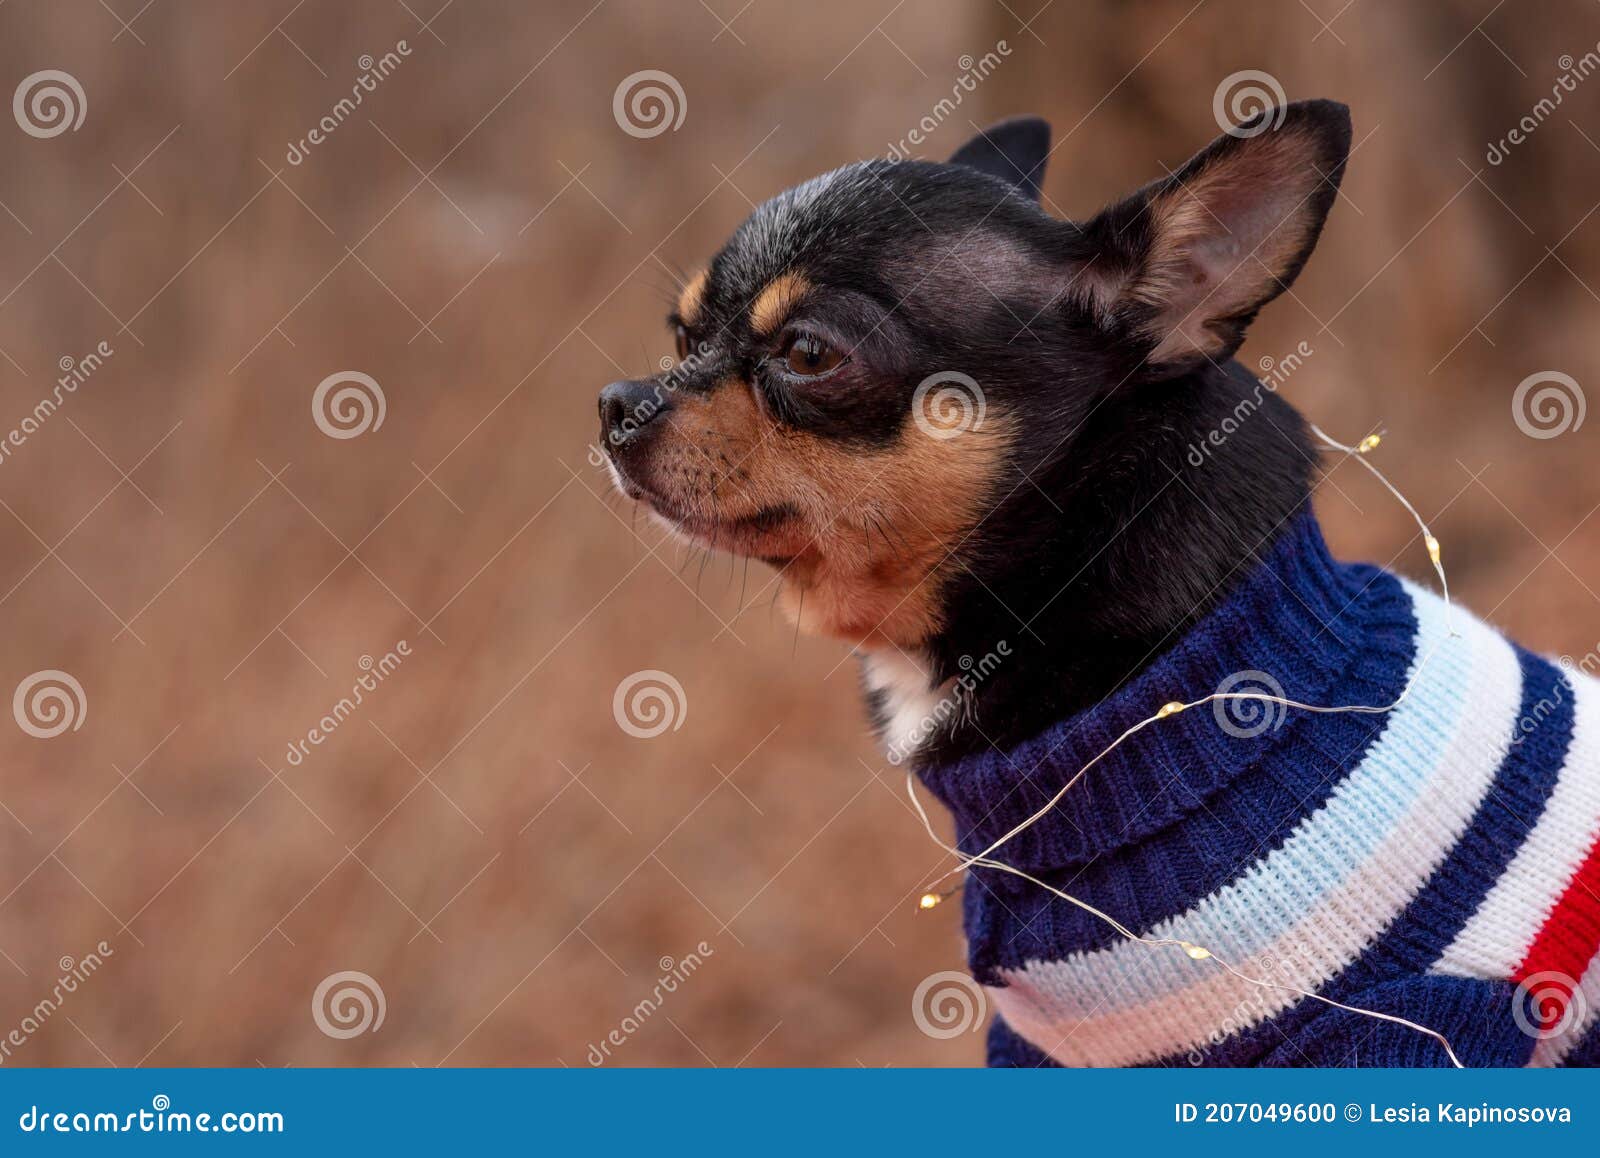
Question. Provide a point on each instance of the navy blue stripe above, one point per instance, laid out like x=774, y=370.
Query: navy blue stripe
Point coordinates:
x=1010, y=921
x=1517, y=798
x=1009, y=1050
x=1522, y=788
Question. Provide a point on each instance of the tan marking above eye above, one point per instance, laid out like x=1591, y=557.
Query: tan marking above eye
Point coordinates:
x=772, y=304
x=692, y=297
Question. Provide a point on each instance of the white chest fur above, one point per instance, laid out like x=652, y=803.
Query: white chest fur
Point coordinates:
x=910, y=704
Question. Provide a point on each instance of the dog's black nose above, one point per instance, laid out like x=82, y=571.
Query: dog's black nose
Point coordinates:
x=626, y=408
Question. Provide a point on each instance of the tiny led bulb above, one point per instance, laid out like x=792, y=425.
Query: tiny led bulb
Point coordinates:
x=1433, y=548
x=1171, y=709
x=929, y=900
x=1370, y=442
x=1198, y=952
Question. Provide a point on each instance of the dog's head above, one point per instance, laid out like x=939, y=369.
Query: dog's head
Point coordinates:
x=878, y=356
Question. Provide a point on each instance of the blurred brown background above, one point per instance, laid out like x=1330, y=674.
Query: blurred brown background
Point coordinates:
x=484, y=240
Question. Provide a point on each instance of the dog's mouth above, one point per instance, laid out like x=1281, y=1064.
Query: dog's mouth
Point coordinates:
x=773, y=532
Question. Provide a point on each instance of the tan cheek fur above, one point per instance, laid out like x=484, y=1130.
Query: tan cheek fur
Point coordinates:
x=879, y=525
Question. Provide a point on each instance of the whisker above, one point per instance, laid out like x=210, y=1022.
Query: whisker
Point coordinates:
x=799, y=617
x=705, y=557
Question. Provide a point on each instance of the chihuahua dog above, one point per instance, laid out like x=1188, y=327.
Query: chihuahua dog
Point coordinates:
x=957, y=425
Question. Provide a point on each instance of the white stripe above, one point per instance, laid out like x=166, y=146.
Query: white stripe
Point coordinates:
x=1497, y=938
x=1305, y=911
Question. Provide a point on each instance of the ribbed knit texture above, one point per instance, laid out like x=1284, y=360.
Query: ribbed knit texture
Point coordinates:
x=1440, y=862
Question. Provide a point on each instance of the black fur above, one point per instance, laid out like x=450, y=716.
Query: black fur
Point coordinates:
x=1104, y=556
x=1014, y=151
x=1104, y=538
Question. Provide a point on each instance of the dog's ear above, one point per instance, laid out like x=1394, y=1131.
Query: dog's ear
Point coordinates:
x=1185, y=263
x=1013, y=150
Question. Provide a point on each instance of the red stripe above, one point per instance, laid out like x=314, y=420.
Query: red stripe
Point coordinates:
x=1567, y=941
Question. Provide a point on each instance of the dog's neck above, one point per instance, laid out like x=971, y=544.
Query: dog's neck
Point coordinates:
x=1097, y=563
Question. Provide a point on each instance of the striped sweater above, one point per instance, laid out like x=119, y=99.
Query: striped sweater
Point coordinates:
x=1439, y=863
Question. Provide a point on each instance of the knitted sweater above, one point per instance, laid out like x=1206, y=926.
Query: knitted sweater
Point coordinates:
x=1439, y=863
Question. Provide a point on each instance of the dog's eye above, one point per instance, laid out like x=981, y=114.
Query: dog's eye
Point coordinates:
x=809, y=356
x=680, y=334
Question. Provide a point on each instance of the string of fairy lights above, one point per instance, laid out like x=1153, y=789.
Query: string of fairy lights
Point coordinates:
x=1194, y=951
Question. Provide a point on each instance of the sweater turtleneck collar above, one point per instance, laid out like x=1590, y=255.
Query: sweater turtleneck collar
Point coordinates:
x=1297, y=624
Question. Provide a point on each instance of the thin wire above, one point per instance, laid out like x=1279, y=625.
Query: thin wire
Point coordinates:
x=1194, y=951
x=1199, y=952
x=1427, y=535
